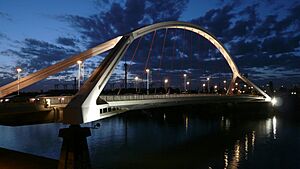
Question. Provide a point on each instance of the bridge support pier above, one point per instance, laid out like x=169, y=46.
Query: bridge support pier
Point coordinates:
x=74, y=151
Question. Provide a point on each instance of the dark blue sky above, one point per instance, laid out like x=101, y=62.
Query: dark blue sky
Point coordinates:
x=262, y=36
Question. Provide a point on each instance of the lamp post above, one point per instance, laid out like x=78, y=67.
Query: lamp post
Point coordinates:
x=148, y=72
x=184, y=82
x=79, y=62
x=136, y=83
x=203, y=85
x=166, y=83
x=187, y=85
x=216, y=88
x=225, y=86
x=208, y=84
x=19, y=70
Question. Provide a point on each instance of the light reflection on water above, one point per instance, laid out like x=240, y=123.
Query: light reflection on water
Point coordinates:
x=182, y=140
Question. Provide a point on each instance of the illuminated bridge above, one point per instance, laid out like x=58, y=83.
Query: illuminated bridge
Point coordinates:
x=87, y=106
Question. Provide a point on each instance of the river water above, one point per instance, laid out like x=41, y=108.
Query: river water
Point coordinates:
x=173, y=140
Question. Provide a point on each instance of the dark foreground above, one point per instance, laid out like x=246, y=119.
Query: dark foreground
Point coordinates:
x=17, y=160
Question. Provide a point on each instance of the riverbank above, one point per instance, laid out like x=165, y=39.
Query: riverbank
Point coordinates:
x=17, y=160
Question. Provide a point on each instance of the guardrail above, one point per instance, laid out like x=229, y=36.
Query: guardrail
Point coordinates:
x=66, y=99
x=146, y=97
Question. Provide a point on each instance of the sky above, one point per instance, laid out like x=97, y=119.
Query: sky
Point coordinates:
x=262, y=36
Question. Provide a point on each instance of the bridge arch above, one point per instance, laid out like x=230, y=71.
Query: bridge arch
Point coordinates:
x=84, y=103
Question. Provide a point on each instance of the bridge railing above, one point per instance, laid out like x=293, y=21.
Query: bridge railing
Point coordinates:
x=145, y=97
x=56, y=100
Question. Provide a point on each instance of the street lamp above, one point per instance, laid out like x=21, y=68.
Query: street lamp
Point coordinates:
x=166, y=83
x=216, y=88
x=19, y=70
x=79, y=62
x=208, y=84
x=225, y=86
x=136, y=83
x=148, y=72
x=203, y=85
x=184, y=82
x=187, y=83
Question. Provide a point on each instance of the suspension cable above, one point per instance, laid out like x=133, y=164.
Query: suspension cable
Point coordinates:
x=149, y=53
x=162, y=53
x=134, y=53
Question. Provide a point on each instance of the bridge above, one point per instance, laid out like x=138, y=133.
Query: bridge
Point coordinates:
x=86, y=106
x=89, y=104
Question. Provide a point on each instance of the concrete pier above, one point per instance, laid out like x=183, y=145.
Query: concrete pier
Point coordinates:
x=74, y=150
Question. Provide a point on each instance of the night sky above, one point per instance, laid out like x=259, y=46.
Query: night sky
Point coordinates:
x=263, y=37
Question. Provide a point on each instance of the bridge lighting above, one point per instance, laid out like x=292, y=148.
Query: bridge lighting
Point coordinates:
x=208, y=84
x=274, y=101
x=166, y=81
x=19, y=70
x=184, y=83
x=79, y=62
x=236, y=84
x=148, y=72
x=136, y=83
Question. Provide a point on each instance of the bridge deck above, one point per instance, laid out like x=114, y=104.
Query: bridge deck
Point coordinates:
x=53, y=107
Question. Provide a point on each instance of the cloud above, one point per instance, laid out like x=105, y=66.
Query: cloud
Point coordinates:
x=280, y=44
x=5, y=16
x=120, y=20
x=66, y=41
x=35, y=54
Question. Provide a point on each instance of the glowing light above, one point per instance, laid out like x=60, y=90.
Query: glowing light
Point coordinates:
x=19, y=70
x=79, y=62
x=215, y=86
x=166, y=80
x=225, y=159
x=147, y=70
x=203, y=85
x=274, y=101
x=207, y=79
x=224, y=81
x=136, y=78
x=184, y=75
x=187, y=83
x=236, y=84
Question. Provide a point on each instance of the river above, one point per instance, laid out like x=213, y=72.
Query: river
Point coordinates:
x=173, y=140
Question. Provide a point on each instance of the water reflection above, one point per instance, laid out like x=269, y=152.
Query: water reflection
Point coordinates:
x=161, y=141
x=274, y=125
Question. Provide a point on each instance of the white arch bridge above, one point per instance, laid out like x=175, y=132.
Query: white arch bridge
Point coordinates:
x=84, y=107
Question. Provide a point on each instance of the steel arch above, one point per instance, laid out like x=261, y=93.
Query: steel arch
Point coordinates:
x=81, y=109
